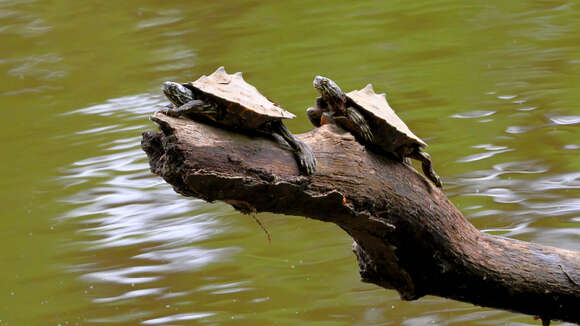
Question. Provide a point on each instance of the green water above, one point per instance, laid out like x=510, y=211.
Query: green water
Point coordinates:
x=91, y=237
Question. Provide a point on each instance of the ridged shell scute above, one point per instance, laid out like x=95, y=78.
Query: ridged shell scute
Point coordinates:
x=383, y=116
x=233, y=88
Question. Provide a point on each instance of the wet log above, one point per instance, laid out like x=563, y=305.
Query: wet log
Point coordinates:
x=408, y=235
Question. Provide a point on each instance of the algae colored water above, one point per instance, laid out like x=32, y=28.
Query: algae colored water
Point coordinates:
x=90, y=237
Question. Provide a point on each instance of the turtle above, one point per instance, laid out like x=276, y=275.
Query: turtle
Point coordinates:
x=368, y=116
x=229, y=101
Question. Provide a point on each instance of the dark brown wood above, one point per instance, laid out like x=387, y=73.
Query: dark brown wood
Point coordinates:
x=408, y=235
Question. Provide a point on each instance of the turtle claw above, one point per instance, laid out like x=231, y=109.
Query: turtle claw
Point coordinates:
x=169, y=111
x=427, y=166
x=430, y=173
x=305, y=157
x=307, y=161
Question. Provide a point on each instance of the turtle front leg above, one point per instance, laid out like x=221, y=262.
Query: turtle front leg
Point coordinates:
x=353, y=122
x=314, y=115
x=357, y=124
x=195, y=107
x=427, y=166
x=304, y=154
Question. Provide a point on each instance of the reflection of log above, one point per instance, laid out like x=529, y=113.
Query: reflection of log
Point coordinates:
x=408, y=236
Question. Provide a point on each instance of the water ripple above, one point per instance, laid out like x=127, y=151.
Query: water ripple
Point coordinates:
x=566, y=119
x=123, y=275
x=41, y=66
x=526, y=200
x=141, y=230
x=560, y=181
x=502, y=195
x=571, y=147
x=517, y=129
x=473, y=114
x=178, y=317
x=560, y=208
x=130, y=295
x=506, y=97
x=21, y=23
x=188, y=258
x=134, y=106
x=492, y=151
x=158, y=21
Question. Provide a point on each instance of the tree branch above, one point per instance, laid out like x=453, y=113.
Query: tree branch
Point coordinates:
x=408, y=235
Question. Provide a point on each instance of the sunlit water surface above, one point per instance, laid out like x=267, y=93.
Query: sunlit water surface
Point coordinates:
x=91, y=237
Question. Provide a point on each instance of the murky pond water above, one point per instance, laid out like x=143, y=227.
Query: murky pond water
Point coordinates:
x=91, y=237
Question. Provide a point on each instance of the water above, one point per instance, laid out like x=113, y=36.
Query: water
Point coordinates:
x=91, y=237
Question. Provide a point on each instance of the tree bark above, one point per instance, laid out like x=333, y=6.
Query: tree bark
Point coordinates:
x=408, y=235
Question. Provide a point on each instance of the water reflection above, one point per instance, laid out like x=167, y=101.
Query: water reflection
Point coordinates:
x=124, y=207
x=527, y=201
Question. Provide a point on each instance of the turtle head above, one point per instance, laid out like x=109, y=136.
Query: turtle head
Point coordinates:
x=329, y=90
x=177, y=93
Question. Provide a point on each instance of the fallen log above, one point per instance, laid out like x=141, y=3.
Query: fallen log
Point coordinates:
x=408, y=235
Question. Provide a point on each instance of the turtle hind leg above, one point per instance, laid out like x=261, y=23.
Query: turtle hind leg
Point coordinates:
x=195, y=107
x=364, y=130
x=427, y=166
x=303, y=152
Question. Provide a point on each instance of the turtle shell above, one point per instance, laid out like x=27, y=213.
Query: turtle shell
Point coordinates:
x=390, y=132
x=241, y=104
